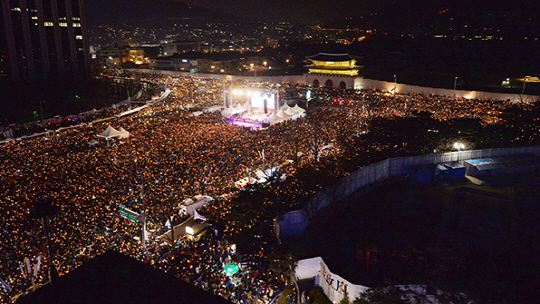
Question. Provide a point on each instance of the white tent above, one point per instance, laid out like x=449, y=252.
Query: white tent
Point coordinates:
x=110, y=132
x=213, y=109
x=123, y=133
x=301, y=114
x=298, y=109
x=285, y=106
x=228, y=112
x=239, y=108
x=273, y=118
x=290, y=111
x=247, y=105
x=283, y=115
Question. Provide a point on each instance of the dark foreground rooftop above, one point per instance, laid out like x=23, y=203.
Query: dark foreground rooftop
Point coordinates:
x=115, y=278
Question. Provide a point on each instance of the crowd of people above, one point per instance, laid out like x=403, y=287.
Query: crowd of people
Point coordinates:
x=174, y=155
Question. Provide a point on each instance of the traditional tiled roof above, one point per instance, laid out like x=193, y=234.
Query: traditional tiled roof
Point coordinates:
x=331, y=57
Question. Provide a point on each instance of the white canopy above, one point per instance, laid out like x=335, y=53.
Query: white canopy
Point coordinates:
x=213, y=109
x=301, y=114
x=247, y=105
x=273, y=117
x=228, y=112
x=283, y=115
x=123, y=133
x=239, y=108
x=285, y=106
x=298, y=109
x=290, y=111
x=110, y=132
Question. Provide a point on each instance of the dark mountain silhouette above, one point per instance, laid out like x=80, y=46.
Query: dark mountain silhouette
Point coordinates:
x=147, y=14
x=520, y=18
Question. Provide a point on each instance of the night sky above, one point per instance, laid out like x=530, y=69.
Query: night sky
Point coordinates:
x=303, y=11
x=308, y=11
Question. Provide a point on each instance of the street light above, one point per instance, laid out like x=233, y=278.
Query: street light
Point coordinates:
x=41, y=108
x=523, y=91
x=525, y=80
x=459, y=146
x=395, y=84
x=455, y=83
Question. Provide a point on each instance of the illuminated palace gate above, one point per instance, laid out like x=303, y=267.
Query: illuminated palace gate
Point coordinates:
x=332, y=70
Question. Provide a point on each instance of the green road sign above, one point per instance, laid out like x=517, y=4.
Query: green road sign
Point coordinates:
x=128, y=214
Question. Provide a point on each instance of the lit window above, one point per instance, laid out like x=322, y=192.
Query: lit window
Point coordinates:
x=49, y=24
x=76, y=25
x=78, y=37
x=34, y=17
x=16, y=9
x=63, y=24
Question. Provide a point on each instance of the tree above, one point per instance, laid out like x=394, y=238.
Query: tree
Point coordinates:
x=390, y=295
x=285, y=264
x=345, y=299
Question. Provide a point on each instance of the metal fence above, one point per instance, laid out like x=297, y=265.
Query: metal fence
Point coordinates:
x=295, y=222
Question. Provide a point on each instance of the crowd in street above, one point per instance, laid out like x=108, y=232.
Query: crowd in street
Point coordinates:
x=174, y=155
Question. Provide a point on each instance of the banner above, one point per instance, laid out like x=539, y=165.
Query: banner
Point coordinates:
x=21, y=268
x=5, y=286
x=28, y=267
x=37, y=265
x=332, y=285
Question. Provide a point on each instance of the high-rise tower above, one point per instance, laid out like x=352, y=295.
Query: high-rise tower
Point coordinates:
x=43, y=38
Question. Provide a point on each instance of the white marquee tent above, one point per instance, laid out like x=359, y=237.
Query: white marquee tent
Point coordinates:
x=111, y=132
x=123, y=133
x=298, y=109
x=228, y=112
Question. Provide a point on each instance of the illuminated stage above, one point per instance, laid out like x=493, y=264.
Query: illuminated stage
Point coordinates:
x=257, y=109
x=244, y=122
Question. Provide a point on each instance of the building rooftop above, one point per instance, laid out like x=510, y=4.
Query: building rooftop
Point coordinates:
x=116, y=278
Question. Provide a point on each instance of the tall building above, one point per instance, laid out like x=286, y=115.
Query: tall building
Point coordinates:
x=43, y=38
